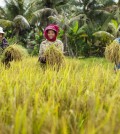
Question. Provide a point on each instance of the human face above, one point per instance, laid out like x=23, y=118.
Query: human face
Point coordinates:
x=1, y=36
x=51, y=34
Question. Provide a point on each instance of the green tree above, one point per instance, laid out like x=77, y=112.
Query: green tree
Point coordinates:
x=64, y=20
x=16, y=14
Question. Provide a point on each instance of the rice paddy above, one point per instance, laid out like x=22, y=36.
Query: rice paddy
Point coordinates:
x=82, y=97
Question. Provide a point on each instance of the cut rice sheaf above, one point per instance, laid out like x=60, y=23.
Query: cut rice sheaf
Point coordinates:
x=112, y=52
x=14, y=52
x=54, y=56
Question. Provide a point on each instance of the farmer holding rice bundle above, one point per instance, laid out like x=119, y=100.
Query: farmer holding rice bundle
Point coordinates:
x=117, y=64
x=3, y=41
x=112, y=53
x=50, y=33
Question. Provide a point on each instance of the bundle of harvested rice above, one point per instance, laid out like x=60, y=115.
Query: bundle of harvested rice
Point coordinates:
x=1, y=51
x=54, y=56
x=14, y=52
x=112, y=52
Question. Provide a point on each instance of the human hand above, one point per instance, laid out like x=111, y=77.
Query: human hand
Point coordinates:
x=42, y=59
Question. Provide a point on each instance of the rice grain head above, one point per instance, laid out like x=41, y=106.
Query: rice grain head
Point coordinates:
x=14, y=52
x=1, y=51
x=112, y=52
x=54, y=56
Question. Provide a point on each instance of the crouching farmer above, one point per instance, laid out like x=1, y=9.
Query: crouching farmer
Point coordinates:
x=50, y=33
x=117, y=64
x=112, y=53
x=3, y=41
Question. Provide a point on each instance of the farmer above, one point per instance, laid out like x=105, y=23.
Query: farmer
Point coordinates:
x=117, y=65
x=50, y=33
x=3, y=41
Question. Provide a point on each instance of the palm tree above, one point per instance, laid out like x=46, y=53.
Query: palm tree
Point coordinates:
x=41, y=16
x=46, y=8
x=17, y=7
x=53, y=4
x=16, y=14
x=64, y=20
x=20, y=23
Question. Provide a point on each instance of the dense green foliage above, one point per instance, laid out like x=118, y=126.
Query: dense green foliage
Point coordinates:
x=78, y=20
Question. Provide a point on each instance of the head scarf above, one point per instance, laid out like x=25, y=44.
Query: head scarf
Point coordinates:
x=51, y=27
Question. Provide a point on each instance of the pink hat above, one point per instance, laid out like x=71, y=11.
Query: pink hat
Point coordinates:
x=51, y=27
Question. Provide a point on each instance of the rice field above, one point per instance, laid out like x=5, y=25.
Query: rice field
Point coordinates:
x=83, y=97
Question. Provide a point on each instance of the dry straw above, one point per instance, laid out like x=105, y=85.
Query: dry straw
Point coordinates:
x=112, y=52
x=13, y=52
x=54, y=56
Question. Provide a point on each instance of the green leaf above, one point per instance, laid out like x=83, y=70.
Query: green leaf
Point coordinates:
x=75, y=26
x=115, y=23
x=5, y=23
x=104, y=35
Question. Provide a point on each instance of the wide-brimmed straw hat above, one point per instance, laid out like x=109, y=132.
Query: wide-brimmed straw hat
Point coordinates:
x=1, y=30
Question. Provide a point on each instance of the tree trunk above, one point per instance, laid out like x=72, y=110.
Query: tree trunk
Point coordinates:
x=65, y=41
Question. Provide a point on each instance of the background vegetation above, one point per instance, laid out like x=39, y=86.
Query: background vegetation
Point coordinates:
x=87, y=26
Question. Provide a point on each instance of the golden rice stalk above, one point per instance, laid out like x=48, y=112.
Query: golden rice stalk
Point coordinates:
x=1, y=51
x=54, y=56
x=14, y=52
x=112, y=52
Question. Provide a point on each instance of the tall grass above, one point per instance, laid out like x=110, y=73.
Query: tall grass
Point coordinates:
x=82, y=97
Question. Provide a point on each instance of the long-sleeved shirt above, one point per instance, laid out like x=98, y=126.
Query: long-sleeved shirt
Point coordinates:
x=118, y=40
x=45, y=44
x=3, y=43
